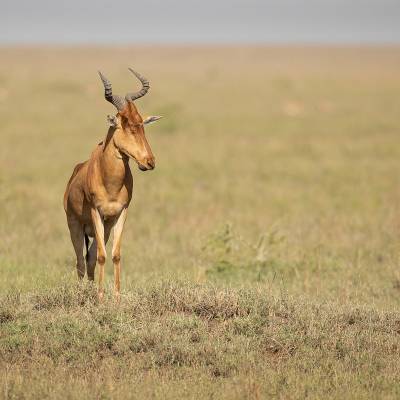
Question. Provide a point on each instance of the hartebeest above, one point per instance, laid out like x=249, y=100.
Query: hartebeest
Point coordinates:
x=100, y=189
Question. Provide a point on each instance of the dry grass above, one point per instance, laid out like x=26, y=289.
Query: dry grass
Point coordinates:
x=179, y=340
x=260, y=257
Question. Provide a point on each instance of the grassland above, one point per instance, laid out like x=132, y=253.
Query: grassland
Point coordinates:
x=260, y=257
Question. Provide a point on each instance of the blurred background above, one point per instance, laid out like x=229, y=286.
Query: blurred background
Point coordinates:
x=277, y=158
x=191, y=21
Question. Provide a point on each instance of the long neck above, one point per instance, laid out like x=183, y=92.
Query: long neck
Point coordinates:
x=113, y=165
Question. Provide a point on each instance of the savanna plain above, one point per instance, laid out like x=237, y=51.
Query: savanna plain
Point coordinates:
x=260, y=258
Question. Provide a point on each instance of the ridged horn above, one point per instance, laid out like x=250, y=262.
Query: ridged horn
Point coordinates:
x=118, y=101
x=140, y=93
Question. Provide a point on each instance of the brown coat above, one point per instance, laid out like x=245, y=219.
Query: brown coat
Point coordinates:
x=100, y=190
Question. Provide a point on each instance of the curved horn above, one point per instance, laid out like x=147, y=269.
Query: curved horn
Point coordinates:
x=116, y=100
x=140, y=93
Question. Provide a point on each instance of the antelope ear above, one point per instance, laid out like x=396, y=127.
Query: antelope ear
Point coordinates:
x=151, y=119
x=112, y=120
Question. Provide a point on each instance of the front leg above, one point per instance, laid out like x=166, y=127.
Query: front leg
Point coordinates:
x=98, y=224
x=116, y=251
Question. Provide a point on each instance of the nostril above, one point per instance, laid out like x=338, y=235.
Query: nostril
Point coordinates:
x=151, y=163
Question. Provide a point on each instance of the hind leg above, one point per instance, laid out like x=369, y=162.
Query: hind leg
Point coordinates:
x=76, y=232
x=91, y=260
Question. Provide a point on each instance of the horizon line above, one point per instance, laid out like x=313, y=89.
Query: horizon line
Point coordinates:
x=204, y=43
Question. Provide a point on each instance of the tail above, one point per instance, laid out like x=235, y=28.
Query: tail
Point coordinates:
x=87, y=247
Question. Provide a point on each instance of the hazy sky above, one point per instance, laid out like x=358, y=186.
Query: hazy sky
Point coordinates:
x=202, y=21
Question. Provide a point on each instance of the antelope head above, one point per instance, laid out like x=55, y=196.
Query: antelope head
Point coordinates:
x=128, y=125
